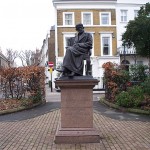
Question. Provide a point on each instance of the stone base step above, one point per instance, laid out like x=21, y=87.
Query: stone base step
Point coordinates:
x=76, y=136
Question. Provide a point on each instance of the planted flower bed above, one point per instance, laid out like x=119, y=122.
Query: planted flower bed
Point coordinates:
x=9, y=104
x=127, y=89
x=21, y=87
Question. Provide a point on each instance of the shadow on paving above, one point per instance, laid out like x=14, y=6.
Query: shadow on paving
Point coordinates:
x=31, y=113
x=51, y=106
x=118, y=114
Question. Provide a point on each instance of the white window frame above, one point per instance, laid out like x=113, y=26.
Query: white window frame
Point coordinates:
x=135, y=13
x=67, y=35
x=124, y=13
x=65, y=13
x=109, y=18
x=82, y=14
x=109, y=35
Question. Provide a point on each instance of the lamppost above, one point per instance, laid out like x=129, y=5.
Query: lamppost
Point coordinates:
x=124, y=54
x=124, y=51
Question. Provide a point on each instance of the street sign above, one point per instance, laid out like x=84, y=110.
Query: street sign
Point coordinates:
x=51, y=69
x=50, y=64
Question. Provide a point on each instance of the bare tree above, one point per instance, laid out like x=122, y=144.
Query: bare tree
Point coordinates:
x=29, y=57
x=11, y=56
x=37, y=58
x=25, y=57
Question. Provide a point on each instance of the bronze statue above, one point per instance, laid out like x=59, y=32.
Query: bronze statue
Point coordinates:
x=81, y=49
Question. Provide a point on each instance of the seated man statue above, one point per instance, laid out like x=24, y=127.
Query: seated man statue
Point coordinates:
x=73, y=60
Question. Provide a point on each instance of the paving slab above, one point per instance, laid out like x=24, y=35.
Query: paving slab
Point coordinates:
x=38, y=134
x=35, y=129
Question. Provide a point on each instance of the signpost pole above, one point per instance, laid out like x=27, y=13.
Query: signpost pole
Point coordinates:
x=51, y=71
x=51, y=64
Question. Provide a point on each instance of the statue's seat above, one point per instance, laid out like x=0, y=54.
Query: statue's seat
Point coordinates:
x=88, y=63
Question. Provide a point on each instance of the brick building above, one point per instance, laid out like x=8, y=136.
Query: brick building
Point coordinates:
x=51, y=46
x=99, y=18
x=106, y=21
x=47, y=53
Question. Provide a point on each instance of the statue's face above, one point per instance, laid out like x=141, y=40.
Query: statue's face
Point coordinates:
x=80, y=29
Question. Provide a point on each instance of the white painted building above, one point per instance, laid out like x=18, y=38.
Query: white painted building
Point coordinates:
x=126, y=11
x=44, y=58
x=4, y=63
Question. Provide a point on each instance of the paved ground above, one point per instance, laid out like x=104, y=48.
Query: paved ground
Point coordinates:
x=35, y=129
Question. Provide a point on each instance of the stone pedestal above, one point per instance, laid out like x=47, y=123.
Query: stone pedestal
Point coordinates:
x=76, y=111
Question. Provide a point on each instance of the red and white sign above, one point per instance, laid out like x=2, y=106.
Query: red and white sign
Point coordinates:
x=50, y=64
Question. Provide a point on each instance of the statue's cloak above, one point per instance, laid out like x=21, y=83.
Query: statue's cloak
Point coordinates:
x=75, y=54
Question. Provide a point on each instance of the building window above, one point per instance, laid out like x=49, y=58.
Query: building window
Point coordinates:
x=135, y=13
x=124, y=15
x=105, y=18
x=106, y=44
x=87, y=18
x=68, y=18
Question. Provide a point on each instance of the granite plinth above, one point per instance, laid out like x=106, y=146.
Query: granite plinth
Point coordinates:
x=76, y=111
x=76, y=136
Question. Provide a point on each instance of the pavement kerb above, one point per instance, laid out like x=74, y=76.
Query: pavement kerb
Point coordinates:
x=132, y=110
x=20, y=108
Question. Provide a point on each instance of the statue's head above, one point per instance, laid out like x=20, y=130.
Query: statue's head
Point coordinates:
x=79, y=28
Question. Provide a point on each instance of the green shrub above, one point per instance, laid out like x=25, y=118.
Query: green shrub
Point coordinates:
x=37, y=97
x=123, y=99
x=136, y=94
x=146, y=86
x=131, y=98
x=138, y=72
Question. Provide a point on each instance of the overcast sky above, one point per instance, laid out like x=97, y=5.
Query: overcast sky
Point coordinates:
x=24, y=23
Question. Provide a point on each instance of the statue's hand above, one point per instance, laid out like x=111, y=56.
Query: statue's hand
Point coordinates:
x=75, y=45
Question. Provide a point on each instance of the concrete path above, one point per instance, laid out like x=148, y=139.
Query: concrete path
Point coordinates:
x=35, y=129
